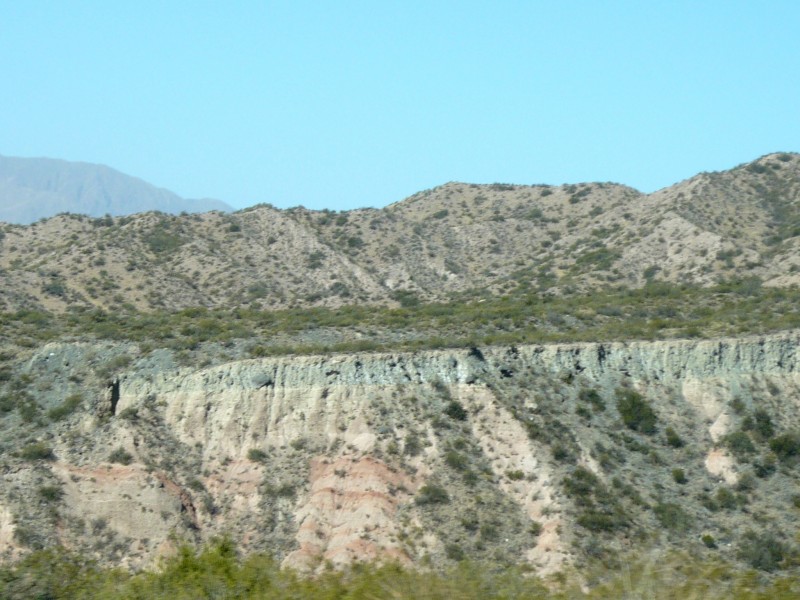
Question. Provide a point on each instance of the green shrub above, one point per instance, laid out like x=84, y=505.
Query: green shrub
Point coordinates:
x=786, y=446
x=672, y=517
x=673, y=439
x=37, y=451
x=535, y=528
x=763, y=551
x=120, y=456
x=454, y=552
x=131, y=413
x=679, y=476
x=456, y=460
x=51, y=493
x=635, y=411
x=431, y=494
x=456, y=411
x=66, y=408
x=762, y=425
x=257, y=455
x=412, y=445
x=592, y=397
x=725, y=498
x=739, y=444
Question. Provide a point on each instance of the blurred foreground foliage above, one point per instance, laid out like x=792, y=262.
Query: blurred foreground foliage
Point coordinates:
x=218, y=572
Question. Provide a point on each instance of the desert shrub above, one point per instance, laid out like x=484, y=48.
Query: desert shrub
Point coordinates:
x=679, y=475
x=600, y=510
x=739, y=444
x=454, y=552
x=673, y=439
x=561, y=452
x=256, y=455
x=431, y=494
x=37, y=451
x=51, y=493
x=456, y=460
x=280, y=490
x=763, y=551
x=672, y=517
x=66, y=408
x=760, y=424
x=120, y=456
x=131, y=413
x=725, y=498
x=635, y=411
x=765, y=467
x=592, y=397
x=786, y=446
x=7, y=404
x=456, y=411
x=196, y=485
x=412, y=445
x=535, y=528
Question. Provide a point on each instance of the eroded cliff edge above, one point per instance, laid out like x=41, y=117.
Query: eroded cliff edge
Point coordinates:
x=506, y=454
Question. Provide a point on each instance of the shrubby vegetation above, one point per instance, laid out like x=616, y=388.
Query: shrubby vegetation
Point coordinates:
x=218, y=572
x=656, y=311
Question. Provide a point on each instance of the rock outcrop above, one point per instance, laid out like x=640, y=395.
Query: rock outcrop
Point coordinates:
x=400, y=456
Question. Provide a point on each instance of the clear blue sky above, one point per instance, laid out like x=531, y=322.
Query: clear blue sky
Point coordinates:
x=346, y=104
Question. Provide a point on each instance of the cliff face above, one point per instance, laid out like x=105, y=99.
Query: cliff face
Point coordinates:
x=439, y=454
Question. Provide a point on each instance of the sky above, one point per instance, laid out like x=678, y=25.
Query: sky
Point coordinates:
x=349, y=104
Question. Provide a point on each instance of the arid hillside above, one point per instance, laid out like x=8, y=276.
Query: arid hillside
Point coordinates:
x=455, y=241
x=543, y=456
x=537, y=377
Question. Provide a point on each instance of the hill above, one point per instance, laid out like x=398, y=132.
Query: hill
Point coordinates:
x=547, y=378
x=454, y=241
x=37, y=188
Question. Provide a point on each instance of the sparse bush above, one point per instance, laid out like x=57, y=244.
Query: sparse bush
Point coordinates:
x=679, y=476
x=412, y=445
x=515, y=475
x=760, y=424
x=456, y=460
x=635, y=411
x=66, y=408
x=765, y=467
x=739, y=444
x=431, y=494
x=37, y=451
x=51, y=493
x=786, y=446
x=535, y=528
x=456, y=411
x=762, y=551
x=120, y=456
x=454, y=552
x=672, y=517
x=592, y=397
x=725, y=498
x=131, y=413
x=673, y=439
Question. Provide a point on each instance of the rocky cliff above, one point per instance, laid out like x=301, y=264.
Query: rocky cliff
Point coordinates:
x=505, y=454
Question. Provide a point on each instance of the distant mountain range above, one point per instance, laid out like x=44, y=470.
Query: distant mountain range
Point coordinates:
x=36, y=188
